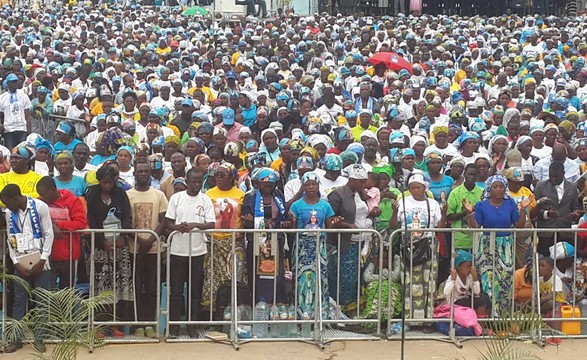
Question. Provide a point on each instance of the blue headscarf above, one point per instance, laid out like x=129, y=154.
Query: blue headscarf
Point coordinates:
x=464, y=137
x=267, y=175
x=493, y=179
x=332, y=162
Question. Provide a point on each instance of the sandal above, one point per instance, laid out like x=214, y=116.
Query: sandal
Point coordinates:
x=554, y=341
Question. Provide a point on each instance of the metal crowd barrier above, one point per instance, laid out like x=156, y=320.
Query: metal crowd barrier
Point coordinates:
x=345, y=265
x=325, y=328
x=128, y=323
x=536, y=332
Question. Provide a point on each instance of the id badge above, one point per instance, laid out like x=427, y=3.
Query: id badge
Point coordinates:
x=22, y=243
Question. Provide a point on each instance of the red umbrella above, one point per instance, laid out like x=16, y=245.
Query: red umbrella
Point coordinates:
x=391, y=60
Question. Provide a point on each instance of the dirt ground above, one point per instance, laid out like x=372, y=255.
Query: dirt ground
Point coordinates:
x=429, y=349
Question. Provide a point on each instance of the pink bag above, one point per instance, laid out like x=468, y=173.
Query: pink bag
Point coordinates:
x=464, y=316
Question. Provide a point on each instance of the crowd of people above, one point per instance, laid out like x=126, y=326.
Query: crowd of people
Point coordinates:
x=146, y=119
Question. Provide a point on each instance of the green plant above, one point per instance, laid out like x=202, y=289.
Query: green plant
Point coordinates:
x=519, y=323
x=506, y=349
x=61, y=316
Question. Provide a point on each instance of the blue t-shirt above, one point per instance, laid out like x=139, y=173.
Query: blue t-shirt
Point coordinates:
x=59, y=146
x=76, y=185
x=439, y=187
x=311, y=216
x=500, y=217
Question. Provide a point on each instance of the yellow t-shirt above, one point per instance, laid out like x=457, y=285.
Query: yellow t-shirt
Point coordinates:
x=227, y=209
x=546, y=287
x=523, y=193
x=26, y=182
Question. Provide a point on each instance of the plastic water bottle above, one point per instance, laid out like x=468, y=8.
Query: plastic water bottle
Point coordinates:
x=260, y=314
x=110, y=223
x=291, y=315
x=306, y=327
x=275, y=328
x=227, y=317
x=282, y=324
x=583, y=307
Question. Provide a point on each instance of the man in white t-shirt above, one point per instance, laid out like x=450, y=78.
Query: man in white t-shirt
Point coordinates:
x=15, y=115
x=188, y=210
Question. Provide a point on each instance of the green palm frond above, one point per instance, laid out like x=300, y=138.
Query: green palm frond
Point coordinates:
x=505, y=349
x=61, y=316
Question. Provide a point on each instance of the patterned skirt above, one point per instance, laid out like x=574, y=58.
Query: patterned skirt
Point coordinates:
x=218, y=267
x=304, y=256
x=113, y=274
x=421, y=286
x=495, y=265
x=346, y=291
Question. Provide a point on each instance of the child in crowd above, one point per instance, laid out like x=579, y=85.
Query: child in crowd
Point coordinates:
x=463, y=288
x=551, y=286
x=523, y=284
x=390, y=284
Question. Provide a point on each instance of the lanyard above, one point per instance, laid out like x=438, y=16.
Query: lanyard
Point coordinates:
x=21, y=223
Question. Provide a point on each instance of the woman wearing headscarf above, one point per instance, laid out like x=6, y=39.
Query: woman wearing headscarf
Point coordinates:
x=66, y=180
x=467, y=144
x=228, y=202
x=41, y=109
x=332, y=178
x=439, y=142
x=539, y=148
x=511, y=115
x=440, y=184
x=455, y=169
x=524, y=146
x=264, y=208
x=270, y=145
x=249, y=109
x=498, y=146
x=311, y=213
x=107, y=145
x=348, y=203
x=112, y=260
x=494, y=257
x=419, y=144
x=417, y=211
x=124, y=158
x=193, y=147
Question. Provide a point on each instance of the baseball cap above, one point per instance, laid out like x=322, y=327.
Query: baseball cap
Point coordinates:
x=230, y=74
x=228, y=117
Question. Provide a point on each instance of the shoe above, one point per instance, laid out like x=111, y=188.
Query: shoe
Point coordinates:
x=193, y=332
x=116, y=332
x=39, y=346
x=150, y=332
x=12, y=347
x=139, y=332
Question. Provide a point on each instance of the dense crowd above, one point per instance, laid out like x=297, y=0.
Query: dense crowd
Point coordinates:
x=147, y=119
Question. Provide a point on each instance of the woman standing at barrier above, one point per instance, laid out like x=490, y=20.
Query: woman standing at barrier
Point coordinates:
x=108, y=206
x=495, y=258
x=228, y=202
x=264, y=208
x=310, y=212
x=420, y=251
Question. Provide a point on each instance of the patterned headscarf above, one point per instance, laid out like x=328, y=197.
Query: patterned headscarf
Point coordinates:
x=112, y=139
x=64, y=155
x=332, y=162
x=489, y=183
x=229, y=167
x=267, y=175
x=310, y=176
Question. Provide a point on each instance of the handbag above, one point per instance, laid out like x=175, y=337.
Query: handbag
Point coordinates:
x=417, y=250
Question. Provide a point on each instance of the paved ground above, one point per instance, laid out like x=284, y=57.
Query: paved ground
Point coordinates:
x=569, y=349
